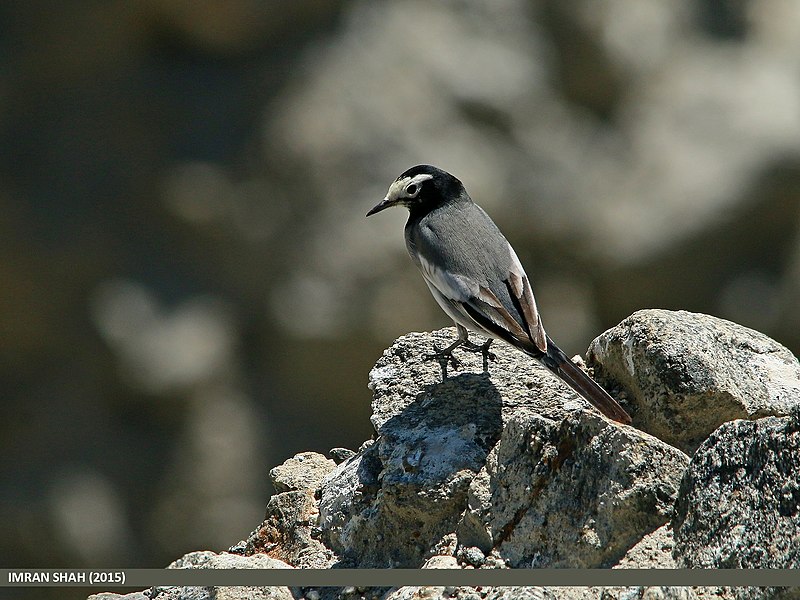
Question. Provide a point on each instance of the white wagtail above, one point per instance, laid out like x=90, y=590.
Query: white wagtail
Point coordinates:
x=475, y=276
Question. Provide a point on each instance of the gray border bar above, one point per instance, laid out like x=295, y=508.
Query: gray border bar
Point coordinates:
x=143, y=578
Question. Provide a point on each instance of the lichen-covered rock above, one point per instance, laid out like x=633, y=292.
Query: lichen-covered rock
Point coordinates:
x=205, y=593
x=288, y=532
x=577, y=494
x=304, y=471
x=436, y=426
x=653, y=551
x=739, y=502
x=499, y=464
x=686, y=373
x=211, y=560
x=472, y=593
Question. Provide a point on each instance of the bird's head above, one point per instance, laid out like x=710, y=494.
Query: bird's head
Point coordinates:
x=421, y=188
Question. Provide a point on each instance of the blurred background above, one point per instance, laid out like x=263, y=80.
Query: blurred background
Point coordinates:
x=189, y=290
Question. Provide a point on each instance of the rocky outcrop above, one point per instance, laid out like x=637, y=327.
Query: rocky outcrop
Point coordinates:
x=579, y=493
x=739, y=505
x=685, y=374
x=500, y=465
x=212, y=560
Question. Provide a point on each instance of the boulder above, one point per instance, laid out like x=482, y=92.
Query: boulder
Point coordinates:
x=685, y=374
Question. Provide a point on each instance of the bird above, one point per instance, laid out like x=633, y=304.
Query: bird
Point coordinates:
x=476, y=277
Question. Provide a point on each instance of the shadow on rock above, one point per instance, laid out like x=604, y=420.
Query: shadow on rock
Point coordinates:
x=408, y=489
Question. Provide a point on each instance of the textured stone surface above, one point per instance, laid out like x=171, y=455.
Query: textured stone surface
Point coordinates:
x=686, y=373
x=205, y=559
x=389, y=505
x=304, y=471
x=288, y=532
x=436, y=426
x=212, y=560
x=578, y=493
x=472, y=593
x=653, y=551
x=491, y=466
x=113, y=596
x=739, y=504
x=203, y=593
x=402, y=381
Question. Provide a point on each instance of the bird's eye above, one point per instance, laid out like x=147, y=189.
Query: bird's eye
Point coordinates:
x=412, y=189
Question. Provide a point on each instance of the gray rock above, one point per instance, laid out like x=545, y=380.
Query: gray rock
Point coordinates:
x=653, y=551
x=211, y=593
x=113, y=596
x=205, y=559
x=501, y=465
x=647, y=593
x=739, y=502
x=578, y=493
x=473, y=555
x=628, y=593
x=434, y=435
x=440, y=561
x=211, y=560
x=346, y=493
x=288, y=532
x=687, y=373
x=472, y=593
x=339, y=455
x=304, y=471
x=746, y=593
x=389, y=505
x=402, y=381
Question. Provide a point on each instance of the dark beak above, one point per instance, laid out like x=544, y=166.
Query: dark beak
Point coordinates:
x=385, y=203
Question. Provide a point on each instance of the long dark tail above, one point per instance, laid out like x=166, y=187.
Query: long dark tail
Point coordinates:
x=561, y=365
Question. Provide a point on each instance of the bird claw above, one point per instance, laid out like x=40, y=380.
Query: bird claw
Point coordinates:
x=444, y=354
x=482, y=348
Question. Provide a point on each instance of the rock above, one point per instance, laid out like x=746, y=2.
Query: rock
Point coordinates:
x=225, y=560
x=339, y=455
x=211, y=560
x=739, y=501
x=472, y=555
x=113, y=596
x=630, y=593
x=544, y=593
x=210, y=593
x=390, y=504
x=304, y=471
x=434, y=435
x=653, y=551
x=500, y=465
x=648, y=593
x=686, y=373
x=472, y=593
x=403, y=381
x=288, y=532
x=205, y=559
x=574, y=494
x=441, y=562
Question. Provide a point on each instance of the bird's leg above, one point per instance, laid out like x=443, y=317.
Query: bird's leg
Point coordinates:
x=446, y=354
x=463, y=341
x=482, y=348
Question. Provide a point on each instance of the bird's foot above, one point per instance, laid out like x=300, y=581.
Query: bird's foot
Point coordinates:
x=445, y=355
x=482, y=348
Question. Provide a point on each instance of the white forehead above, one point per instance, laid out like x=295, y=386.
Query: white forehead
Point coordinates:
x=397, y=189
